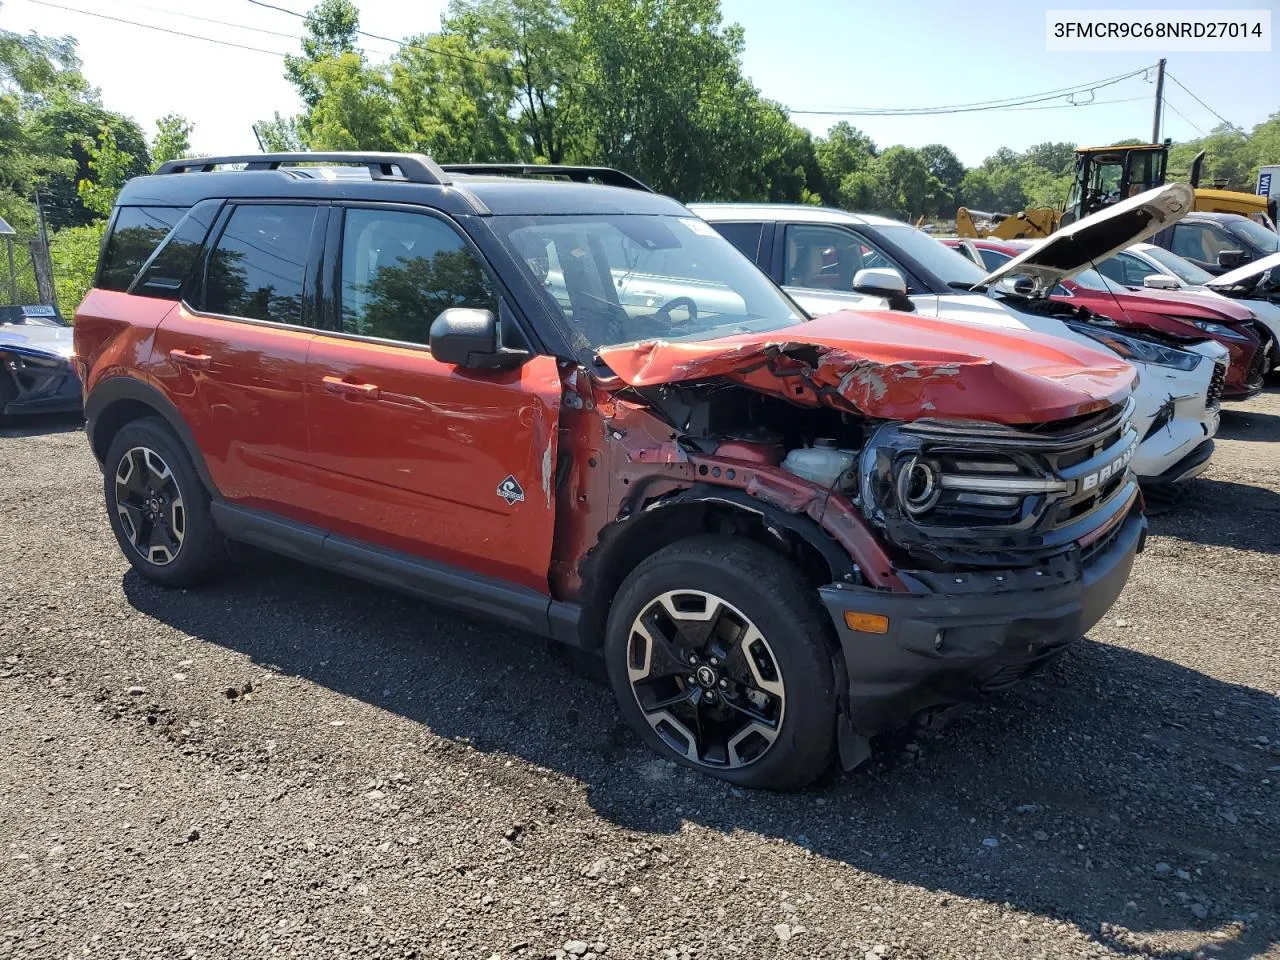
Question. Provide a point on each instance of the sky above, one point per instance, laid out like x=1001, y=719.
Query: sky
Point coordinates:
x=806, y=54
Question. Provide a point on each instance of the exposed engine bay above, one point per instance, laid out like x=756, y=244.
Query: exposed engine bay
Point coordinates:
x=944, y=494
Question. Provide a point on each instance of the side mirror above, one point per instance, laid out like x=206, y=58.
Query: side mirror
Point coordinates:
x=879, y=281
x=1230, y=259
x=467, y=337
x=1160, y=281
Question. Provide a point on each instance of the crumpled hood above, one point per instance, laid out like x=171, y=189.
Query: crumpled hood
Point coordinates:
x=1248, y=271
x=39, y=339
x=1094, y=238
x=896, y=366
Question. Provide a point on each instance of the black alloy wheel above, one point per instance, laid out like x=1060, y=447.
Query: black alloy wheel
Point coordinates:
x=149, y=502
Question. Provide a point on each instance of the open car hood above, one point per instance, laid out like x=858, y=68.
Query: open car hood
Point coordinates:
x=896, y=366
x=1079, y=245
x=1248, y=271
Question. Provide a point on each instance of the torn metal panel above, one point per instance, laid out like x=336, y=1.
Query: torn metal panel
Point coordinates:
x=896, y=366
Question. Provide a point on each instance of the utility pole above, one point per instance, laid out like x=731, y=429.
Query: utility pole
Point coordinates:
x=1155, y=123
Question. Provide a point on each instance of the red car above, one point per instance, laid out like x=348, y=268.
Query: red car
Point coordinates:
x=1186, y=316
x=576, y=409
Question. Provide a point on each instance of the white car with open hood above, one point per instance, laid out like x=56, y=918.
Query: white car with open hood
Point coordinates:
x=830, y=260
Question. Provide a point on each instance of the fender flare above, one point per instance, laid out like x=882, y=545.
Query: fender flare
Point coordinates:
x=124, y=389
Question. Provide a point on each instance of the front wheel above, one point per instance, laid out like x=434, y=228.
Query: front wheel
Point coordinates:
x=720, y=656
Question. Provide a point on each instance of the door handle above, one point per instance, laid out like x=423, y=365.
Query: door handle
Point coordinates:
x=367, y=391
x=191, y=358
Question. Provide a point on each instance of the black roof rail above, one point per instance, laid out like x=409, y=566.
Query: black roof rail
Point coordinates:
x=413, y=167
x=606, y=176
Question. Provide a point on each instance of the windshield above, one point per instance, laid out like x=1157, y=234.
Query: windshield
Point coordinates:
x=1184, y=270
x=1256, y=235
x=950, y=266
x=619, y=278
x=1093, y=280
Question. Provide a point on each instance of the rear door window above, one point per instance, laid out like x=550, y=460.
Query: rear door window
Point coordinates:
x=135, y=234
x=258, y=269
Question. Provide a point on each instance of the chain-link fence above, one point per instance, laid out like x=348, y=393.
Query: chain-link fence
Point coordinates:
x=26, y=276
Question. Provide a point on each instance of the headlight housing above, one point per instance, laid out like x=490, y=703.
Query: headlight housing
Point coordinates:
x=1138, y=349
x=1222, y=330
x=981, y=493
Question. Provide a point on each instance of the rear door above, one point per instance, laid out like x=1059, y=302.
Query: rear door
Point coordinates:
x=412, y=454
x=232, y=356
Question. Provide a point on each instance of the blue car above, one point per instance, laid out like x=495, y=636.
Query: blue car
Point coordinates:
x=36, y=371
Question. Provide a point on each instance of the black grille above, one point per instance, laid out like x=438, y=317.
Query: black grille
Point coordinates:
x=1217, y=383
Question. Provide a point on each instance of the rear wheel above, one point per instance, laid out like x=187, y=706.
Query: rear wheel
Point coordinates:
x=158, y=508
x=720, y=656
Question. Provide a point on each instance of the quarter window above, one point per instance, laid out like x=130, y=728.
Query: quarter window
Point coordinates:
x=400, y=270
x=136, y=233
x=258, y=269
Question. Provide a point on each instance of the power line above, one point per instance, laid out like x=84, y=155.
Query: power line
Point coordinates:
x=148, y=26
x=1183, y=115
x=1068, y=106
x=1005, y=104
x=1197, y=100
x=402, y=44
x=222, y=23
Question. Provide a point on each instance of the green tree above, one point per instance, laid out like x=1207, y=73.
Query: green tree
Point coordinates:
x=1053, y=158
x=280, y=134
x=74, y=255
x=659, y=92
x=331, y=30
x=172, y=140
x=33, y=70
x=109, y=166
x=844, y=150
x=947, y=172
x=905, y=181
x=454, y=102
x=534, y=46
x=353, y=111
x=68, y=126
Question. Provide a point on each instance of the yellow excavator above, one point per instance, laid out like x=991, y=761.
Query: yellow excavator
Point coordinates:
x=1103, y=176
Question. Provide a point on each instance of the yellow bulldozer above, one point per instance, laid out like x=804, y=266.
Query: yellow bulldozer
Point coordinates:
x=1103, y=176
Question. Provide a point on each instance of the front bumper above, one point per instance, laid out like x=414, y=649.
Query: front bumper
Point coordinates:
x=1174, y=417
x=958, y=636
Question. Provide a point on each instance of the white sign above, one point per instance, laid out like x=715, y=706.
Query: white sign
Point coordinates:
x=1158, y=31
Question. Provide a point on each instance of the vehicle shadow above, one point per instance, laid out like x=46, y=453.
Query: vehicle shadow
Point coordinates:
x=40, y=425
x=1119, y=792
x=1249, y=425
x=1209, y=512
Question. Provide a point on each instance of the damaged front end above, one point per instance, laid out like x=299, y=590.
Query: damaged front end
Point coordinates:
x=963, y=515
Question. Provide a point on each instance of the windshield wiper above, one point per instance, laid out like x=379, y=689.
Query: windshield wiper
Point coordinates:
x=956, y=285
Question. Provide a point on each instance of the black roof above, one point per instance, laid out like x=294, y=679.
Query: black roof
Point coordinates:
x=507, y=190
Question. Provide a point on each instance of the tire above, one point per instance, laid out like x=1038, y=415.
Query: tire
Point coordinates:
x=779, y=703
x=8, y=393
x=183, y=547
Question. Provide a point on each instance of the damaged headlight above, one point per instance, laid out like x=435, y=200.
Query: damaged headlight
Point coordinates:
x=1138, y=349
x=939, y=487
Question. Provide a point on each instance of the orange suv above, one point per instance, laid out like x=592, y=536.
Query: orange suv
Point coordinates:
x=552, y=398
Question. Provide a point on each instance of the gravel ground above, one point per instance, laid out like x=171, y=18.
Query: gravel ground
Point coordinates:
x=295, y=764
